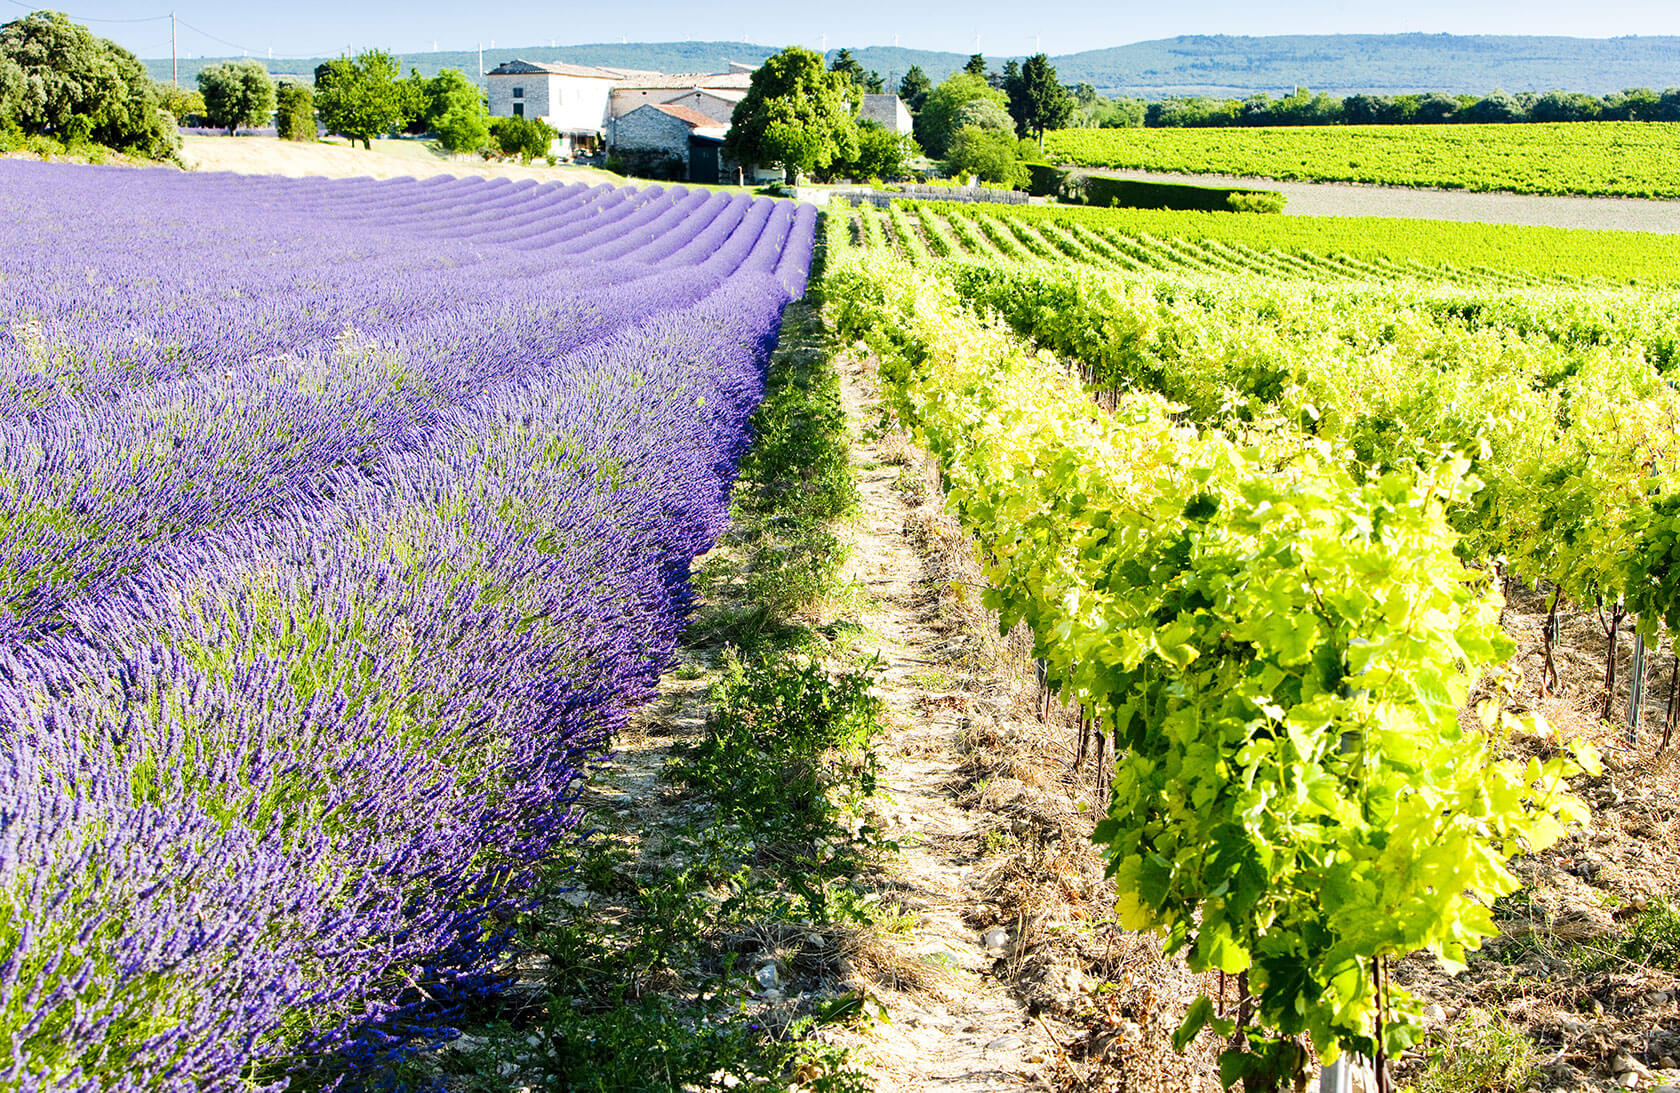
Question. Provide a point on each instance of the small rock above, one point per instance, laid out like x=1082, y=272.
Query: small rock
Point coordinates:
x=1666, y=1089
x=1630, y=1080
x=767, y=977
x=814, y=940
x=1434, y=1013
x=1657, y=998
x=1621, y=1062
x=1006, y=1043
x=995, y=938
x=1668, y=1062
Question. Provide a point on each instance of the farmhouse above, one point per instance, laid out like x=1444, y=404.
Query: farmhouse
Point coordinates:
x=582, y=101
x=573, y=98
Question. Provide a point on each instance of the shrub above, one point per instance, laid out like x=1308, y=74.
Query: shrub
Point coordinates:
x=526, y=138
x=1255, y=201
x=295, y=115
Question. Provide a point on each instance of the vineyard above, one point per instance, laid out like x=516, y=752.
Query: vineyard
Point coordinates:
x=342, y=548
x=338, y=543
x=1257, y=506
x=1631, y=159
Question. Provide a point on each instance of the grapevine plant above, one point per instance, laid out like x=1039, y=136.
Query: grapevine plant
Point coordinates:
x=1278, y=642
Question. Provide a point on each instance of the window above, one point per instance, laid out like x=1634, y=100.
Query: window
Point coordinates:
x=519, y=92
x=519, y=110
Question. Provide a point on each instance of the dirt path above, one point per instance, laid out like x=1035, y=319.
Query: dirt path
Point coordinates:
x=956, y=1026
x=1354, y=199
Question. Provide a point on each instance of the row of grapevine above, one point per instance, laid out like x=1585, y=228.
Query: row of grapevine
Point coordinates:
x=334, y=550
x=1576, y=439
x=1464, y=253
x=1277, y=642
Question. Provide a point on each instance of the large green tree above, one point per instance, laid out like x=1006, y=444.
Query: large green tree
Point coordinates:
x=58, y=79
x=938, y=123
x=455, y=111
x=360, y=98
x=1042, y=103
x=976, y=66
x=796, y=115
x=236, y=93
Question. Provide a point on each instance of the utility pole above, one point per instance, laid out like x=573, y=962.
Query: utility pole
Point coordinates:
x=174, y=61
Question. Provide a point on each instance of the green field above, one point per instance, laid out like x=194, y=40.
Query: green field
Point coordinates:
x=1527, y=252
x=1632, y=159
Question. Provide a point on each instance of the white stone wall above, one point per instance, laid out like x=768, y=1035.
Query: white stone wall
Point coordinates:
x=569, y=103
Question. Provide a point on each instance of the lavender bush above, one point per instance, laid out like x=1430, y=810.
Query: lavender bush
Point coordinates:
x=333, y=547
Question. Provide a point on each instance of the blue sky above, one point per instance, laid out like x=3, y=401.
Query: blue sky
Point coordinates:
x=317, y=27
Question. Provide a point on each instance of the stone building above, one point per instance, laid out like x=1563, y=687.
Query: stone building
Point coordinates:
x=660, y=140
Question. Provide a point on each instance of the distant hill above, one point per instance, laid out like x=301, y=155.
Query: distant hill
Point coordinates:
x=1213, y=65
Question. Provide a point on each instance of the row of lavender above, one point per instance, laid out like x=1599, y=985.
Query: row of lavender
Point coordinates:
x=332, y=547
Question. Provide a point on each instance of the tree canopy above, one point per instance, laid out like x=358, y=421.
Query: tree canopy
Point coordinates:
x=976, y=66
x=294, y=114
x=360, y=98
x=57, y=79
x=937, y=123
x=796, y=115
x=236, y=93
x=1038, y=99
x=914, y=88
x=455, y=111
x=866, y=83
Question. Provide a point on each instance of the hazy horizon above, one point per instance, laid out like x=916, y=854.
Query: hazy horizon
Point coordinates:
x=310, y=28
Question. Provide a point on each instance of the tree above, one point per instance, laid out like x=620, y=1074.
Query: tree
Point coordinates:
x=881, y=154
x=455, y=112
x=526, y=138
x=988, y=155
x=1497, y=107
x=236, y=94
x=914, y=88
x=1045, y=103
x=186, y=107
x=984, y=114
x=937, y=123
x=976, y=66
x=53, y=71
x=795, y=116
x=360, y=98
x=411, y=94
x=294, y=114
x=865, y=83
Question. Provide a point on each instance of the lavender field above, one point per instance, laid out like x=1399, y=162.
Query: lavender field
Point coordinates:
x=340, y=525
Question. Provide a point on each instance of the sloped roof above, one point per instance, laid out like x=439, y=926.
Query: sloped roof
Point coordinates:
x=692, y=118
x=740, y=80
x=532, y=68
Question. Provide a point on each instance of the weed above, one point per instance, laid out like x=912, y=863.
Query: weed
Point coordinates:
x=1484, y=1053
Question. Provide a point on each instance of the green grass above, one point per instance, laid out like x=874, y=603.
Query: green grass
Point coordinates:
x=1637, y=159
x=1483, y=1053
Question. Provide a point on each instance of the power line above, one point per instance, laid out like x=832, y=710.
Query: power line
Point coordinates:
x=91, y=19
x=210, y=36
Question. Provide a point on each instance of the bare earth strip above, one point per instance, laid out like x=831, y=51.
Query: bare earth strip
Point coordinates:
x=250, y=155
x=1354, y=199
